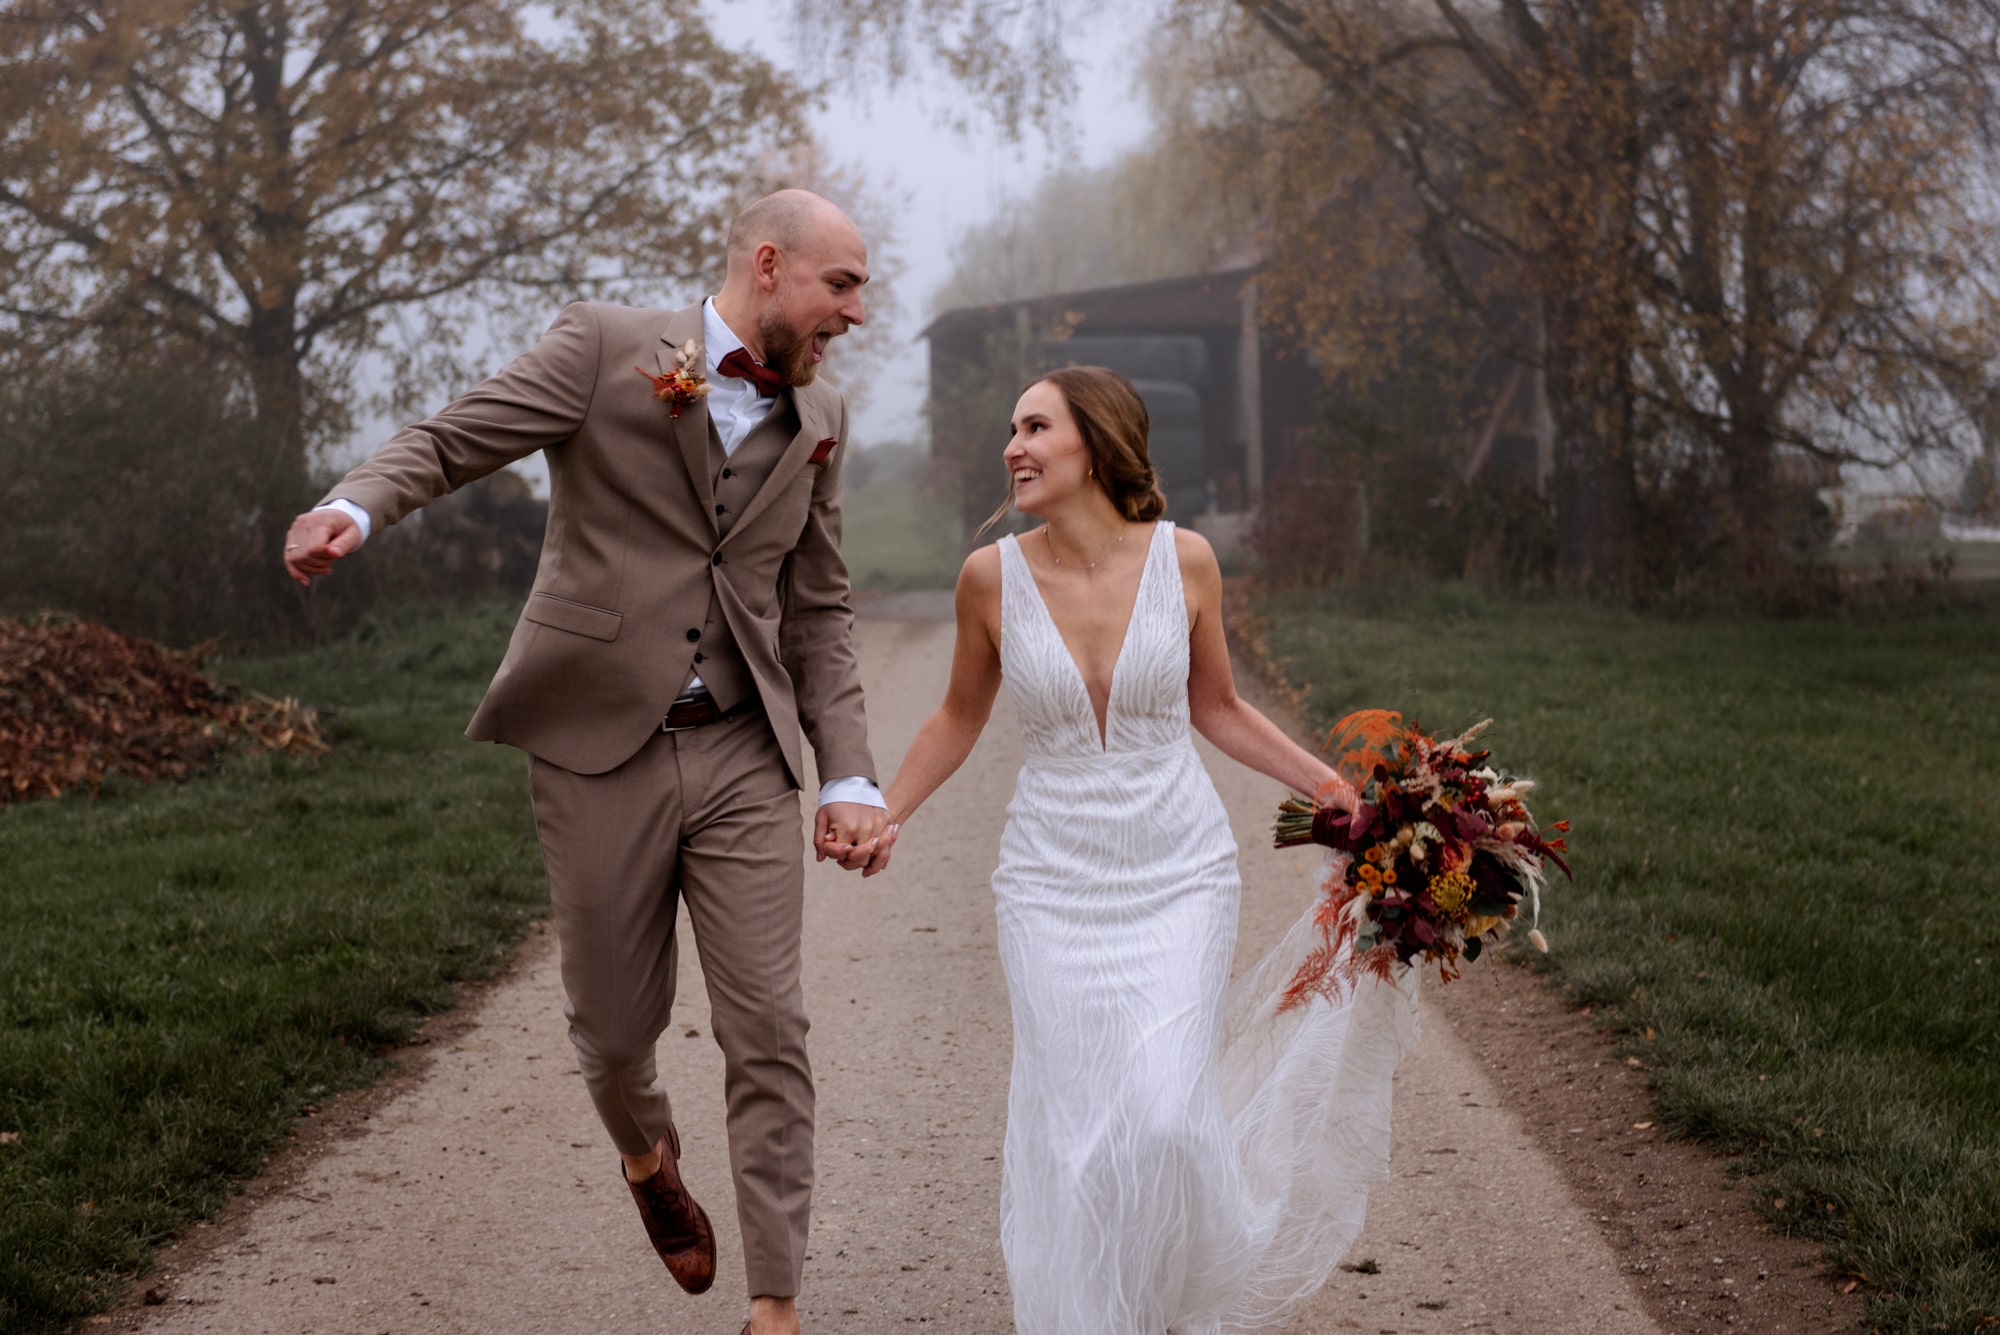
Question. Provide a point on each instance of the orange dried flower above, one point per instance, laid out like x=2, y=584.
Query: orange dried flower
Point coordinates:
x=677, y=387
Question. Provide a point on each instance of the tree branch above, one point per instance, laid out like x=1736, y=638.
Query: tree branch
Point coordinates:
x=1484, y=58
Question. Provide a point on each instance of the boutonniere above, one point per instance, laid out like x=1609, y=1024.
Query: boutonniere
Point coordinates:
x=683, y=384
x=823, y=451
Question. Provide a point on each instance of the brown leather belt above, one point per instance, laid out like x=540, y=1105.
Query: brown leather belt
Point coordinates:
x=691, y=711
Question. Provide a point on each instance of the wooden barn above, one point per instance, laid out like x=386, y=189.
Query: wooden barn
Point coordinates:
x=1226, y=405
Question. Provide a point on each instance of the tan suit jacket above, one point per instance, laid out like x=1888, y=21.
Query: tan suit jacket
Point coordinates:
x=633, y=548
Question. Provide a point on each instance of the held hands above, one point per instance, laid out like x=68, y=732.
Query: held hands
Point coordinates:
x=884, y=842
x=316, y=540
x=855, y=835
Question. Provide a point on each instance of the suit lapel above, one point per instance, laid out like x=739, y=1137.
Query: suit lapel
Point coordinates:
x=812, y=424
x=691, y=428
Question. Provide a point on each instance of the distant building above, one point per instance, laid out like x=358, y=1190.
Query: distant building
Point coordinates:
x=1227, y=404
x=1235, y=406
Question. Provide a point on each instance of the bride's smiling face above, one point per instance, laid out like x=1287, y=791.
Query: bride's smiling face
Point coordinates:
x=1046, y=458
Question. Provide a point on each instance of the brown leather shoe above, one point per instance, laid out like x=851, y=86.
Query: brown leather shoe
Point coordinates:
x=678, y=1227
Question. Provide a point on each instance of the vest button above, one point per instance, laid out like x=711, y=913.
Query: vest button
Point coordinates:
x=721, y=509
x=715, y=560
x=693, y=635
x=728, y=473
x=697, y=658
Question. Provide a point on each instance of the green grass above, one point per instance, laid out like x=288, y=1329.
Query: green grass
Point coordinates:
x=1969, y=560
x=1784, y=840
x=184, y=968
x=894, y=537
x=1984, y=556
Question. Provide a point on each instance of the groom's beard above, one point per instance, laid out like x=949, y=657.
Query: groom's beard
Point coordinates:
x=787, y=350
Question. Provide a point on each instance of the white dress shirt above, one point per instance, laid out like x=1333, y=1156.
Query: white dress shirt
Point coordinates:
x=734, y=405
x=737, y=409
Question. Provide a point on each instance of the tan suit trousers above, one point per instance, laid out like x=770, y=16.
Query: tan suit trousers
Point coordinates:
x=708, y=815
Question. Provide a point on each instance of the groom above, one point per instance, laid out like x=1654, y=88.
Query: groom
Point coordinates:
x=689, y=619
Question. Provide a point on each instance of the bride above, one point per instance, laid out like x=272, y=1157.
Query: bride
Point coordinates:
x=1177, y=1161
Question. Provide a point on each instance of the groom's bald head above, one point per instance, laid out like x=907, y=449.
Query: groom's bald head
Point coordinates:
x=792, y=220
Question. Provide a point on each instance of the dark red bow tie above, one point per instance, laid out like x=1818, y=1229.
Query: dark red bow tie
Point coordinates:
x=739, y=366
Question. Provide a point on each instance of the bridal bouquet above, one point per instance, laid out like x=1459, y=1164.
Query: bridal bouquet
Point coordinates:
x=1431, y=864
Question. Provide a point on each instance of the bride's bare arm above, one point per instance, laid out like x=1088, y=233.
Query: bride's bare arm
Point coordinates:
x=948, y=735
x=1235, y=726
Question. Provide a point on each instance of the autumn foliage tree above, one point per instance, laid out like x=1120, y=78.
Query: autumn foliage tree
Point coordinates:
x=1813, y=212
x=280, y=180
x=1741, y=243
x=1730, y=237
x=279, y=183
x=277, y=188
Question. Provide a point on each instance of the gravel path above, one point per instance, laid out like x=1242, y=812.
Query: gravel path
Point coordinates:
x=482, y=1198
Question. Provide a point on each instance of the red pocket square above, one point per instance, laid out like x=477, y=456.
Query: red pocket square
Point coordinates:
x=823, y=451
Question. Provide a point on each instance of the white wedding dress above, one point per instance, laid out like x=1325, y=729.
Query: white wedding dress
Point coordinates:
x=1177, y=1162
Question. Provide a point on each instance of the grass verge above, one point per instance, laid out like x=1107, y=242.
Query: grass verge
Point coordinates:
x=1785, y=892
x=893, y=537
x=185, y=968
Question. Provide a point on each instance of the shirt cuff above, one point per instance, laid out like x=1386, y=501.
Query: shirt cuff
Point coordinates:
x=856, y=789
x=352, y=511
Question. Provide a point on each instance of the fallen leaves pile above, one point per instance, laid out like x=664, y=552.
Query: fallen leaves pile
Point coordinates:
x=79, y=701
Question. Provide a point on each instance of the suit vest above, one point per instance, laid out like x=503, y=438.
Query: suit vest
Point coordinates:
x=736, y=478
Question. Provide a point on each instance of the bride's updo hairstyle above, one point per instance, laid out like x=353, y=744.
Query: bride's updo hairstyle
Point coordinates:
x=1112, y=419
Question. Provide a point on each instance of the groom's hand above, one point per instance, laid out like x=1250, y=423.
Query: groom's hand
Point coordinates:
x=846, y=832
x=317, y=539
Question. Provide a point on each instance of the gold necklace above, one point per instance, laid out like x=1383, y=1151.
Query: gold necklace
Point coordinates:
x=1048, y=538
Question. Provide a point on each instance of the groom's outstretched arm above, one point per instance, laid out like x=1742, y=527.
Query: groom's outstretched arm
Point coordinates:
x=537, y=400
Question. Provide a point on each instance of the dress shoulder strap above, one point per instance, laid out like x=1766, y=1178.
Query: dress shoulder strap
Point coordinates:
x=1168, y=593
x=1011, y=562
x=1160, y=549
x=1016, y=584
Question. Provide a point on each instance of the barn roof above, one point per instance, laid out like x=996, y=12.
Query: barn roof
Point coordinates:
x=1197, y=299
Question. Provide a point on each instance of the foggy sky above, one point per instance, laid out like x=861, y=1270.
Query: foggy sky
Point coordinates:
x=951, y=181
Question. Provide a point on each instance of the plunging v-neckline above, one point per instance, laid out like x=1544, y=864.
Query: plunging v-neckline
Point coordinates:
x=1124, y=638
